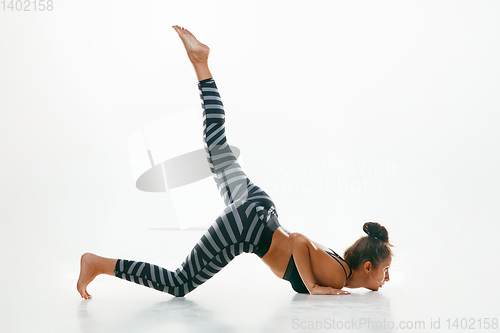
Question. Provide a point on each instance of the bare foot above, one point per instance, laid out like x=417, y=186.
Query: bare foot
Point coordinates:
x=89, y=269
x=197, y=52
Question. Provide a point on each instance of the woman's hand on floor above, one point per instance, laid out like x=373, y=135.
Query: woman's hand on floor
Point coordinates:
x=320, y=290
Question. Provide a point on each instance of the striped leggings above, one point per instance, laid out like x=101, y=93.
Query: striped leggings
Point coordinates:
x=245, y=225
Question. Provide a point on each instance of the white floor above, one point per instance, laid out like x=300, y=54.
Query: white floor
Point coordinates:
x=244, y=297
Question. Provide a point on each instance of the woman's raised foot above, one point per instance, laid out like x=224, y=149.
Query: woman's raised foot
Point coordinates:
x=197, y=52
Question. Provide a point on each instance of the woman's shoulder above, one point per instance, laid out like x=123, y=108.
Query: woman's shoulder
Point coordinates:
x=317, y=246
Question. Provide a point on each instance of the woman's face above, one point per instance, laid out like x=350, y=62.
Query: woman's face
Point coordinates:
x=380, y=275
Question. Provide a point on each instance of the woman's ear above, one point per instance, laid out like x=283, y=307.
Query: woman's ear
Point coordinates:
x=367, y=267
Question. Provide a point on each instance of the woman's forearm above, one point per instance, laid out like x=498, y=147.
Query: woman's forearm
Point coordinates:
x=301, y=254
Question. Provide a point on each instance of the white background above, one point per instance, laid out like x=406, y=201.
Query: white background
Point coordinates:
x=345, y=112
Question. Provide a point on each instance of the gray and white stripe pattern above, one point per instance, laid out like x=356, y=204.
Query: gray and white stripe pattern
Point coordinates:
x=249, y=210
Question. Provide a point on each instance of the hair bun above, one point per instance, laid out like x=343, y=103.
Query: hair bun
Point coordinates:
x=376, y=231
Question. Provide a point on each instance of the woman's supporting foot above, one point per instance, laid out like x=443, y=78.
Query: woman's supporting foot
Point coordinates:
x=91, y=266
x=197, y=52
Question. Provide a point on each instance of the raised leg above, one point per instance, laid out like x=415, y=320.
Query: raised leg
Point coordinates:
x=231, y=180
x=233, y=183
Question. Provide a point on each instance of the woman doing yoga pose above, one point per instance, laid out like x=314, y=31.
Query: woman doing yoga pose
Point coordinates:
x=249, y=223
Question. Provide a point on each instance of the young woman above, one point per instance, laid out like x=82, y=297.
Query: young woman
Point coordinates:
x=249, y=223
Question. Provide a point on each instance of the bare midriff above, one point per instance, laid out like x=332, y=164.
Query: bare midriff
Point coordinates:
x=278, y=255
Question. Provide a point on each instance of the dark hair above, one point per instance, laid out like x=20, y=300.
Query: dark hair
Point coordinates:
x=374, y=248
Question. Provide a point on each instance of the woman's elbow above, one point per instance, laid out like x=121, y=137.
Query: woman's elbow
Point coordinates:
x=296, y=237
